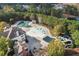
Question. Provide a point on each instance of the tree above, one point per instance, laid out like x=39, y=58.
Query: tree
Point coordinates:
x=32, y=8
x=75, y=37
x=72, y=10
x=8, y=8
x=56, y=48
x=4, y=45
x=45, y=9
x=73, y=26
x=33, y=16
x=58, y=29
x=17, y=7
x=2, y=25
x=56, y=12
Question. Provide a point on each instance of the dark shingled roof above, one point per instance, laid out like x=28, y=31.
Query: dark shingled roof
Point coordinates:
x=13, y=33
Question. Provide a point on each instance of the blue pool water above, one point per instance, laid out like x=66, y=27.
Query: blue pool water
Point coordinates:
x=47, y=39
x=39, y=30
x=24, y=24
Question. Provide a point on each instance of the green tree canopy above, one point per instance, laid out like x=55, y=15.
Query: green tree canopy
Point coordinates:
x=32, y=8
x=56, y=12
x=75, y=37
x=8, y=8
x=58, y=29
x=71, y=9
x=56, y=48
x=2, y=25
x=4, y=45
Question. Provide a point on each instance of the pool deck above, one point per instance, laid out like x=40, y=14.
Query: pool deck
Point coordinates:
x=46, y=30
x=40, y=36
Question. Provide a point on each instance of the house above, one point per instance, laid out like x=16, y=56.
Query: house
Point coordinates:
x=26, y=41
x=21, y=48
x=18, y=36
x=33, y=43
x=59, y=6
x=71, y=17
x=68, y=16
x=14, y=33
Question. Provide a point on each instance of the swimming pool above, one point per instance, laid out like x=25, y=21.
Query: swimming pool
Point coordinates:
x=47, y=39
x=23, y=24
x=39, y=30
